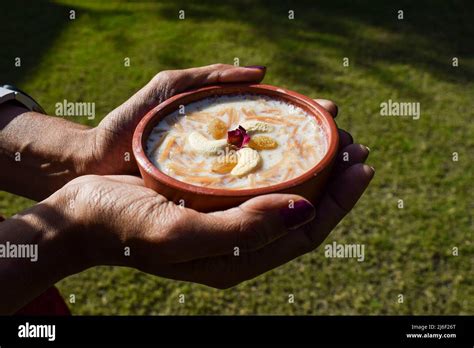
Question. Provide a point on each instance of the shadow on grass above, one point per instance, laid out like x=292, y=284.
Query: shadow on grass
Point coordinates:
x=29, y=29
x=368, y=32
x=429, y=36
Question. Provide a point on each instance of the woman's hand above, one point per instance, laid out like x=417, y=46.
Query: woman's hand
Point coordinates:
x=112, y=144
x=121, y=222
x=115, y=220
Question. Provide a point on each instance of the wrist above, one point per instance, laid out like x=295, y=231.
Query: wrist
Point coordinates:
x=45, y=255
x=68, y=159
x=40, y=154
x=68, y=236
x=88, y=232
x=84, y=154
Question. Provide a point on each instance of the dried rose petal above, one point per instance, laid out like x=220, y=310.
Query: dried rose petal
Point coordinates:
x=238, y=137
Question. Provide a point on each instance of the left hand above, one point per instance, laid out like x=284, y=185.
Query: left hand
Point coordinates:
x=112, y=138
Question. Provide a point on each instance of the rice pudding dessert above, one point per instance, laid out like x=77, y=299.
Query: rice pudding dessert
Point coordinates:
x=236, y=142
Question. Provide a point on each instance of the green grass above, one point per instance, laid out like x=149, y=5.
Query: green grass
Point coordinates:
x=408, y=251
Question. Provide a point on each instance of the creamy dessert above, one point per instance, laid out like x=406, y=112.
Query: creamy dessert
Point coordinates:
x=236, y=142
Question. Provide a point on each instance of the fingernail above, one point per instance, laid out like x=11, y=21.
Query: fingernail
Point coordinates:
x=297, y=213
x=368, y=148
x=261, y=67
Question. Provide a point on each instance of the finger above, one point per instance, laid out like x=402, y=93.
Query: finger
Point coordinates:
x=217, y=73
x=350, y=155
x=225, y=271
x=250, y=226
x=341, y=196
x=345, y=138
x=328, y=105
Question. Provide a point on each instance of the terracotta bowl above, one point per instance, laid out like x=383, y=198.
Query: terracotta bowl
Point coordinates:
x=308, y=185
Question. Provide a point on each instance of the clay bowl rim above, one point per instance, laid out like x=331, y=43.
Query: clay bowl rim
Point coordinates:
x=147, y=123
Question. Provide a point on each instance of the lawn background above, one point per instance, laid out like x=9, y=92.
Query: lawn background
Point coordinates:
x=408, y=251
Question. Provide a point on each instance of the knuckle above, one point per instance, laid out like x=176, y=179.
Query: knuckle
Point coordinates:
x=164, y=85
x=219, y=66
x=164, y=75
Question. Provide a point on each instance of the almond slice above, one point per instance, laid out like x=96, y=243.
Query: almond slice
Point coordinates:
x=262, y=142
x=249, y=159
x=201, y=144
x=255, y=126
x=217, y=128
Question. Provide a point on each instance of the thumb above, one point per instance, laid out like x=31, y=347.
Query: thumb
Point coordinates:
x=263, y=219
x=250, y=226
x=221, y=73
x=292, y=210
x=170, y=82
